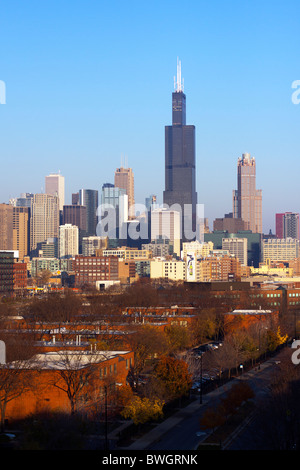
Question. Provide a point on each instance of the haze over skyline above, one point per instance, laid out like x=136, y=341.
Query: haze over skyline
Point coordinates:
x=88, y=83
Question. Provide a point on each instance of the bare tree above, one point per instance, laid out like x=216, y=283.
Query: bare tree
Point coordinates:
x=74, y=373
x=15, y=374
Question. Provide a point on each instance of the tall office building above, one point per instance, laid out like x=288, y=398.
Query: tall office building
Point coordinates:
x=180, y=178
x=55, y=185
x=89, y=199
x=287, y=225
x=124, y=179
x=14, y=229
x=75, y=215
x=114, y=212
x=21, y=230
x=23, y=201
x=44, y=221
x=6, y=227
x=247, y=200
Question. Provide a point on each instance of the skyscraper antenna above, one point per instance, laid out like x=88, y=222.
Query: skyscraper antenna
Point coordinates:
x=178, y=84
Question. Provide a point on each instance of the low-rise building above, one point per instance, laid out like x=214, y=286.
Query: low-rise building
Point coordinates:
x=45, y=372
x=89, y=269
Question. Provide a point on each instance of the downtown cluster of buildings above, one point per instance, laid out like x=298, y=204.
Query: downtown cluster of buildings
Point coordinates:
x=104, y=237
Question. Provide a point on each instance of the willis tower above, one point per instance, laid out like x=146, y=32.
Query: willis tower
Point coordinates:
x=180, y=178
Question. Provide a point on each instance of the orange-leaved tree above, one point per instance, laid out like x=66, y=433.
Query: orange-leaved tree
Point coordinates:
x=172, y=377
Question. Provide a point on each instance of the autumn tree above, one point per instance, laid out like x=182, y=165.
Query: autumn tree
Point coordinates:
x=208, y=326
x=143, y=409
x=146, y=342
x=238, y=393
x=172, y=378
x=179, y=337
x=212, y=418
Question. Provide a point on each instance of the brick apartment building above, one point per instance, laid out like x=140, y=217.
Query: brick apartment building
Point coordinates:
x=90, y=269
x=20, y=276
x=103, y=370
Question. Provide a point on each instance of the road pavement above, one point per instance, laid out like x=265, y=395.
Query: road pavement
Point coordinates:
x=179, y=432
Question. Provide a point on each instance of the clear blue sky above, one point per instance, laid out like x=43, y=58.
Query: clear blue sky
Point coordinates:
x=90, y=81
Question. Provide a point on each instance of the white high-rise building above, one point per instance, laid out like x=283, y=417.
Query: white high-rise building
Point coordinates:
x=55, y=185
x=166, y=224
x=68, y=241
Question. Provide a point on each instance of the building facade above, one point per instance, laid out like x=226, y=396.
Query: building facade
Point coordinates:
x=89, y=199
x=166, y=224
x=237, y=247
x=90, y=269
x=6, y=227
x=68, y=241
x=44, y=221
x=280, y=249
x=6, y=272
x=124, y=179
x=247, y=200
x=287, y=225
x=55, y=185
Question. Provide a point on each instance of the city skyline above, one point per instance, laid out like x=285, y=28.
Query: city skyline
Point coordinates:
x=85, y=89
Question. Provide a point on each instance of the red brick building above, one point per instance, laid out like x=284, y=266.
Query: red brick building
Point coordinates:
x=20, y=276
x=101, y=370
x=89, y=269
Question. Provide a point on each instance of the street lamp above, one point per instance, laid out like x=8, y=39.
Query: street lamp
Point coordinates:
x=201, y=378
x=106, y=421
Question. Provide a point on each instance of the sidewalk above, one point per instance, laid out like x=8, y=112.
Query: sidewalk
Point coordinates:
x=156, y=433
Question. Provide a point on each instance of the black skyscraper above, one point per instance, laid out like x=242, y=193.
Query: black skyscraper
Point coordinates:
x=180, y=178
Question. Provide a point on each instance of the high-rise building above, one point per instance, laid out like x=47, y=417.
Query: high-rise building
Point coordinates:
x=287, y=225
x=237, y=247
x=55, y=185
x=124, y=179
x=180, y=177
x=14, y=229
x=44, y=221
x=151, y=202
x=6, y=227
x=21, y=230
x=165, y=224
x=229, y=223
x=247, y=200
x=68, y=241
x=89, y=199
x=23, y=201
x=76, y=215
x=6, y=272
